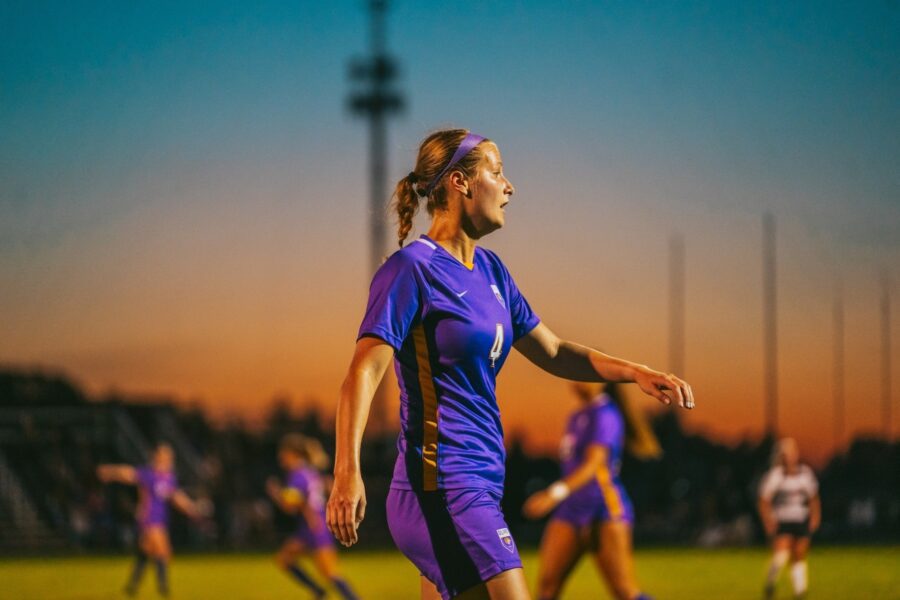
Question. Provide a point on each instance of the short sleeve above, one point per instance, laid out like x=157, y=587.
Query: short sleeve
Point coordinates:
x=769, y=485
x=394, y=301
x=608, y=427
x=523, y=318
x=812, y=483
x=144, y=477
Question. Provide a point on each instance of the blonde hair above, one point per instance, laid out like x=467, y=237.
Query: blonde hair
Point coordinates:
x=435, y=153
x=780, y=448
x=309, y=449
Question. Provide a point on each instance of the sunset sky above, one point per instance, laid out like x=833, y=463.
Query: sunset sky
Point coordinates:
x=183, y=196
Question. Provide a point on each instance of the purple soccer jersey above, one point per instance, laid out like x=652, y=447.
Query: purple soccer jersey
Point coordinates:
x=451, y=328
x=604, y=497
x=155, y=489
x=311, y=528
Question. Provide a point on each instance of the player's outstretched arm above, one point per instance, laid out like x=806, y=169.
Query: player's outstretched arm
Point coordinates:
x=347, y=504
x=117, y=474
x=542, y=502
x=579, y=363
x=183, y=502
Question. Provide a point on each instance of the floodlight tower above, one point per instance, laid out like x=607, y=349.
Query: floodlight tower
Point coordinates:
x=770, y=330
x=375, y=100
x=839, y=401
x=886, y=412
x=676, y=304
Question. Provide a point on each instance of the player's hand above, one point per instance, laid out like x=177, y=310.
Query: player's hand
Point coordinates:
x=665, y=388
x=346, y=507
x=538, y=505
x=273, y=487
x=770, y=528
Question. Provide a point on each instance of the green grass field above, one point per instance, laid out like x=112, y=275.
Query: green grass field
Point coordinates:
x=673, y=574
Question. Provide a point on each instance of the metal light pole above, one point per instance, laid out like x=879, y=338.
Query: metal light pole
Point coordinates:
x=374, y=100
x=886, y=412
x=676, y=304
x=770, y=331
x=839, y=403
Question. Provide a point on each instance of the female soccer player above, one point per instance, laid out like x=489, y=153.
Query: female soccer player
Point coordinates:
x=447, y=312
x=157, y=486
x=790, y=511
x=592, y=507
x=303, y=495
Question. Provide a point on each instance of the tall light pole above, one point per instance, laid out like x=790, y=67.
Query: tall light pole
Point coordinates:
x=375, y=100
x=886, y=412
x=676, y=304
x=770, y=330
x=838, y=356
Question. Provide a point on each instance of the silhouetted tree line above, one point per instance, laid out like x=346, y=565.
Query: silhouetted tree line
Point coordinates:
x=700, y=491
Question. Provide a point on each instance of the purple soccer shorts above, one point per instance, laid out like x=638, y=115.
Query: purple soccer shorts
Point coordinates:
x=582, y=509
x=457, y=538
x=314, y=540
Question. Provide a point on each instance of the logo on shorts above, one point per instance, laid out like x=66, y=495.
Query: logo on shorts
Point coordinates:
x=506, y=539
x=497, y=294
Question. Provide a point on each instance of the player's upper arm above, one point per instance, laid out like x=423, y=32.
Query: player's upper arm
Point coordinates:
x=371, y=357
x=118, y=473
x=595, y=455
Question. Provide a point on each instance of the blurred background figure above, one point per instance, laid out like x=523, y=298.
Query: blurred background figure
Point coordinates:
x=790, y=511
x=592, y=509
x=157, y=487
x=303, y=495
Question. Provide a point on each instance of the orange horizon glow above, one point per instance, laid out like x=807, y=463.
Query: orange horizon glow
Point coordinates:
x=226, y=316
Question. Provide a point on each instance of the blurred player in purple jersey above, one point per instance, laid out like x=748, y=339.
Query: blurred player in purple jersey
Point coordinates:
x=157, y=487
x=447, y=312
x=790, y=511
x=303, y=495
x=593, y=511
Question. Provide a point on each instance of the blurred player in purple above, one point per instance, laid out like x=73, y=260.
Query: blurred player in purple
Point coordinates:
x=447, y=313
x=303, y=495
x=157, y=487
x=592, y=508
x=790, y=511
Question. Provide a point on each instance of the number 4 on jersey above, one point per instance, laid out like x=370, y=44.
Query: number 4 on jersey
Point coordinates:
x=497, y=348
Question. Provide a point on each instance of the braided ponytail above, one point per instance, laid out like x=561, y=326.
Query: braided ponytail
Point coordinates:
x=406, y=204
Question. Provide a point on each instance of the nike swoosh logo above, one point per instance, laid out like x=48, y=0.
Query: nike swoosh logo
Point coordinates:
x=461, y=294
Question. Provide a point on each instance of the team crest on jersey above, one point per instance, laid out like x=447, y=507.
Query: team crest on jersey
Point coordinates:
x=162, y=489
x=506, y=538
x=497, y=294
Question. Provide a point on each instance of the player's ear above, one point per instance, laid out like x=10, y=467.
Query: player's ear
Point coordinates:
x=459, y=182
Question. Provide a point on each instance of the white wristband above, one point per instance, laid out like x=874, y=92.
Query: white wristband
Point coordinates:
x=559, y=491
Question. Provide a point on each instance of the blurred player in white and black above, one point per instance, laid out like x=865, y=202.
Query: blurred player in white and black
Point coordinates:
x=790, y=511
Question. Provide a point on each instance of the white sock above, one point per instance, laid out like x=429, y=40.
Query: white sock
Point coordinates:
x=779, y=559
x=798, y=577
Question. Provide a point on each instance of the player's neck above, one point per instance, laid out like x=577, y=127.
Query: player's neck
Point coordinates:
x=451, y=236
